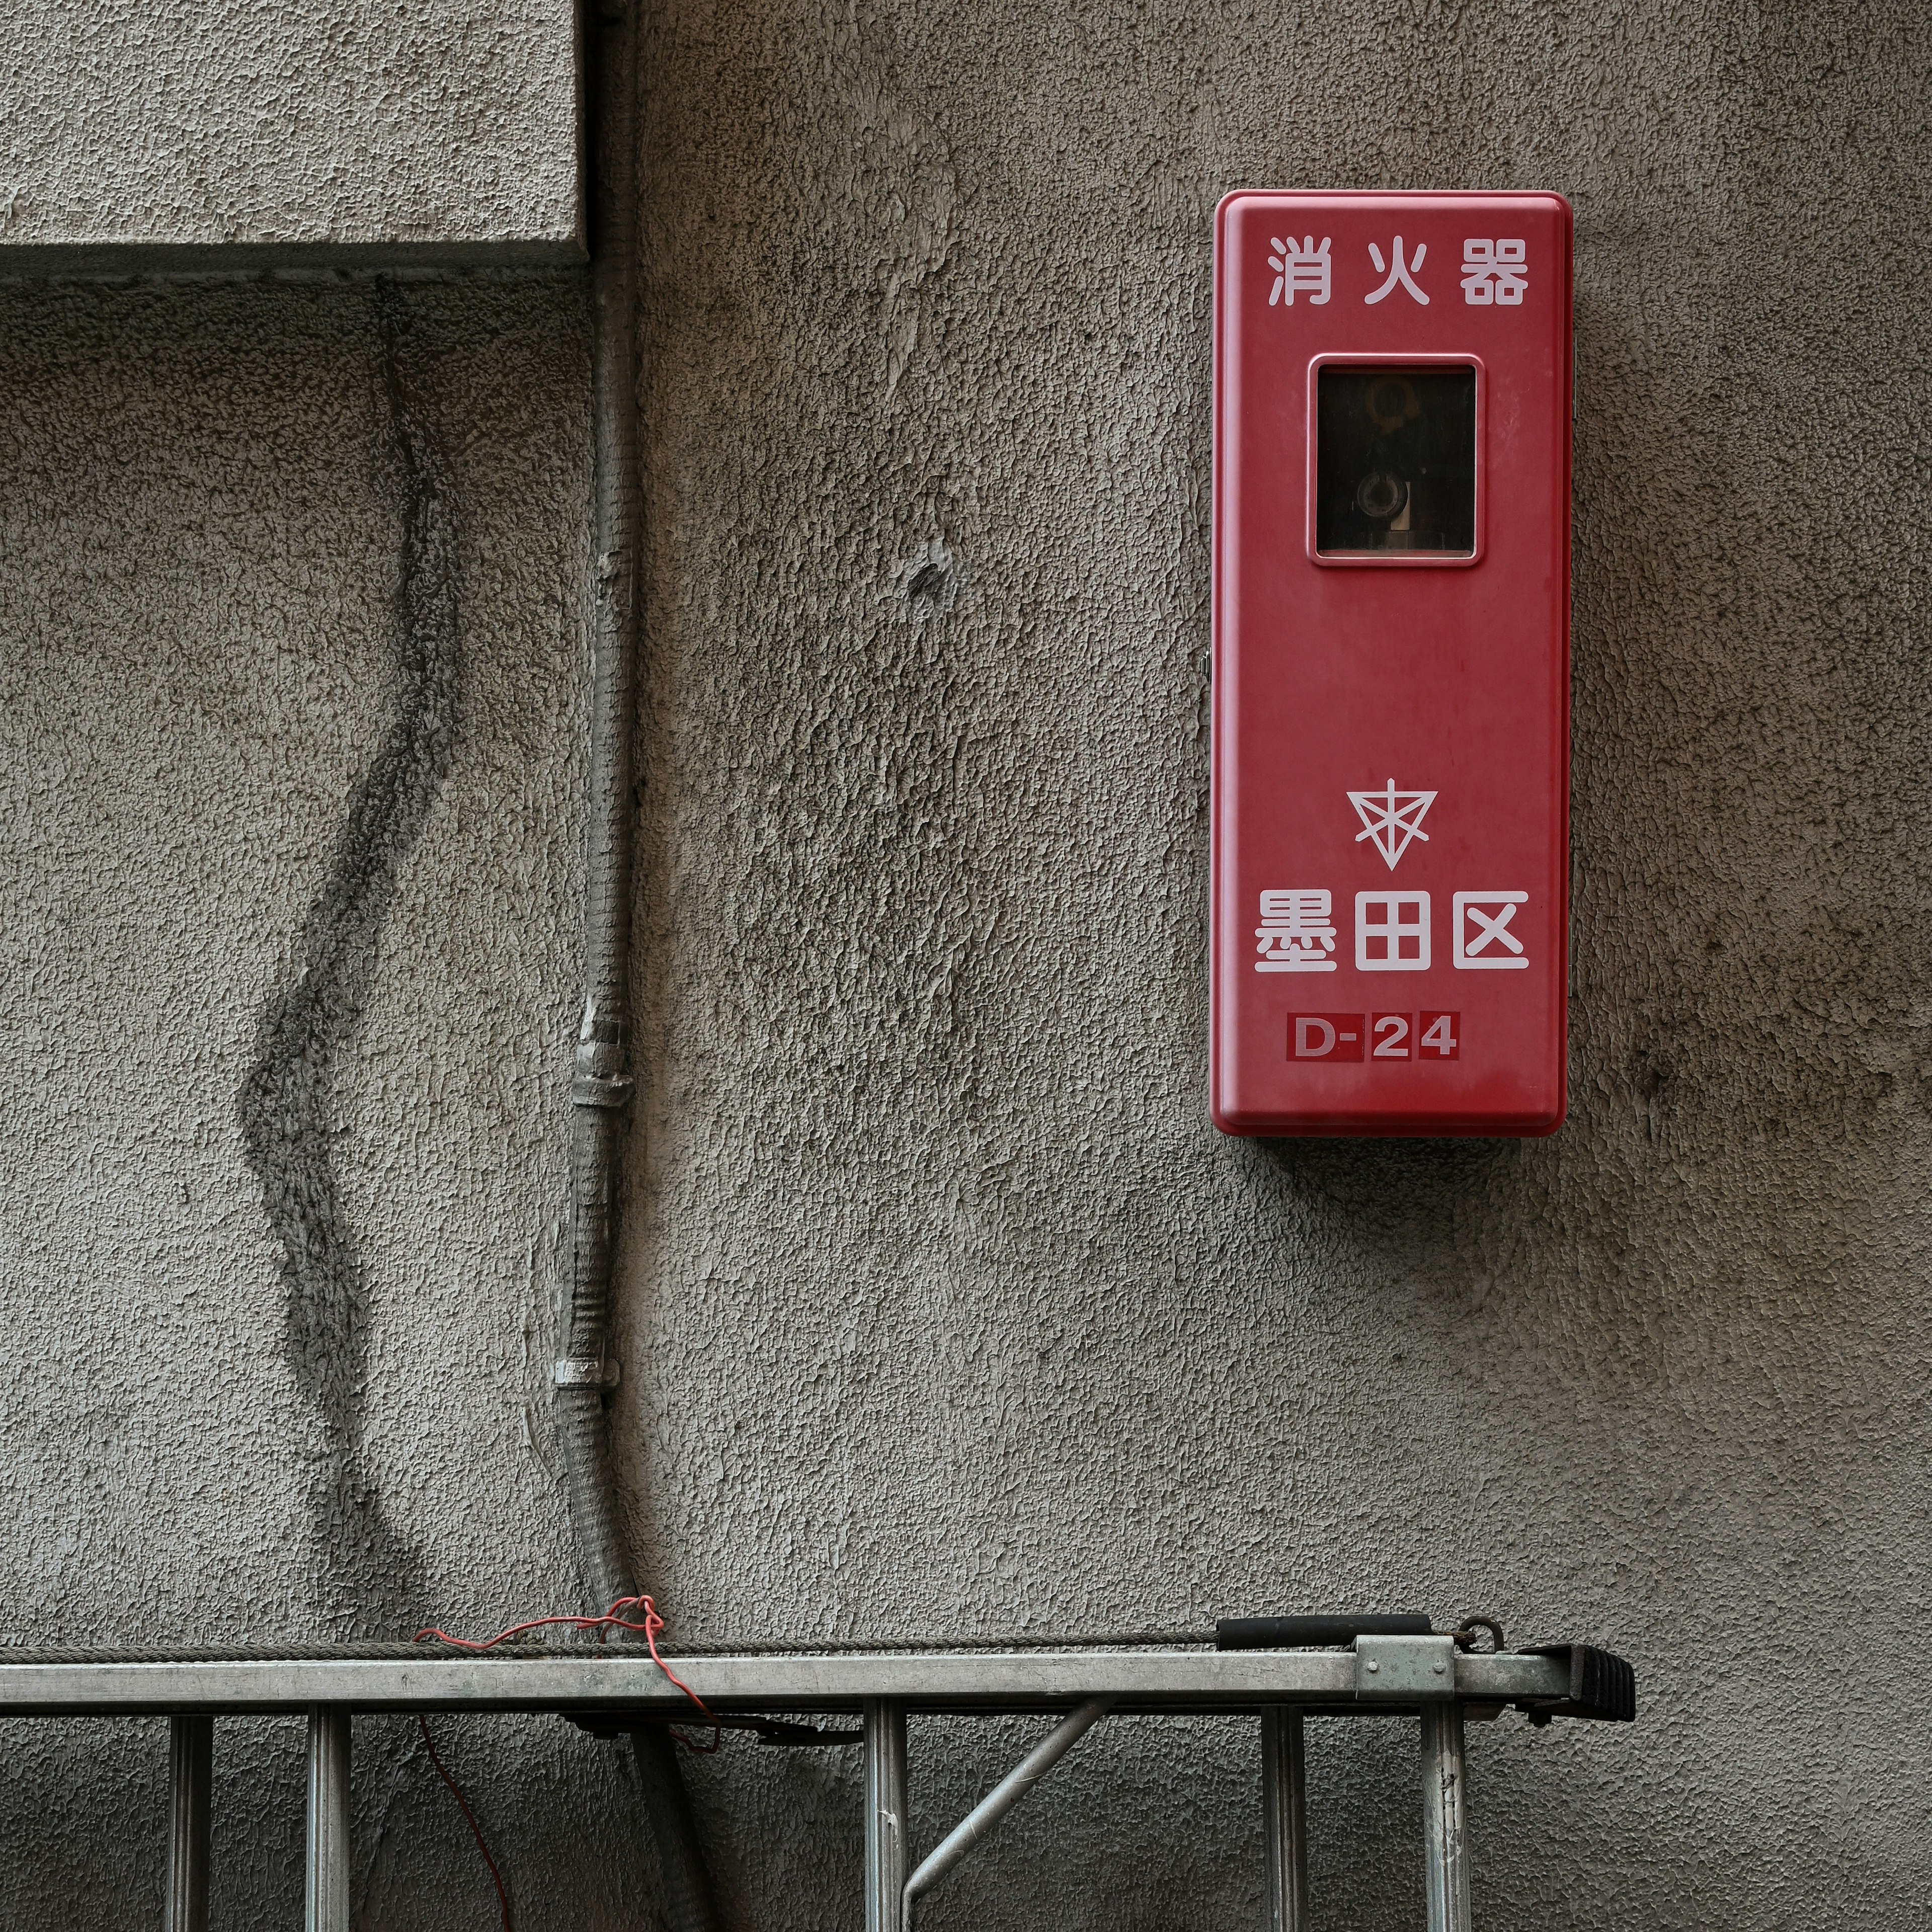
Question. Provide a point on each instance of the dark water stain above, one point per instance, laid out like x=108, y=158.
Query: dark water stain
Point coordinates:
x=367, y=1578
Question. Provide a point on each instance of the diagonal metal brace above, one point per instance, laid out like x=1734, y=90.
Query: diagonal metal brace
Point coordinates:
x=1003, y=1796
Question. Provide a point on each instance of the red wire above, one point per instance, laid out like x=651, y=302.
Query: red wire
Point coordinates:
x=468, y=1818
x=609, y=1620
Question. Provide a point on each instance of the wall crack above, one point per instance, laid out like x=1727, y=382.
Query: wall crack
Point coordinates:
x=368, y=1574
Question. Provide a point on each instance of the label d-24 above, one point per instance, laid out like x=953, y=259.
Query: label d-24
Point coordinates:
x=1385, y=1036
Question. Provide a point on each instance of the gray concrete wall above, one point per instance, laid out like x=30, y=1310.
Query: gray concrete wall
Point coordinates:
x=287, y=129
x=944, y=1307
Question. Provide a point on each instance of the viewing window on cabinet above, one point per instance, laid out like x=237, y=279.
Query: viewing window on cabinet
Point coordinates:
x=1395, y=462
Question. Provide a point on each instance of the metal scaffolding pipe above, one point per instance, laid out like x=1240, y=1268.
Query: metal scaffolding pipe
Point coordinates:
x=325, y=1907
x=1004, y=1795
x=1285, y=1816
x=191, y=1776
x=1444, y=1821
x=887, y=1836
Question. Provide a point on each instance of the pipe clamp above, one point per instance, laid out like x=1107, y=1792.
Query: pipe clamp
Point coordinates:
x=587, y=1371
x=601, y=1090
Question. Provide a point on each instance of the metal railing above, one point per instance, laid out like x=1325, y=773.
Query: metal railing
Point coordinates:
x=1432, y=1676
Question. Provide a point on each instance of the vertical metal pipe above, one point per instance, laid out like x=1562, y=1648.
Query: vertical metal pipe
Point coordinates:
x=326, y=1908
x=190, y=1775
x=684, y=1881
x=1285, y=1816
x=601, y=1082
x=887, y=1838
x=1445, y=1824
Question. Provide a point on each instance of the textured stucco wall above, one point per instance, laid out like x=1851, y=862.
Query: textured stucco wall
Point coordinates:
x=944, y=1307
x=286, y=127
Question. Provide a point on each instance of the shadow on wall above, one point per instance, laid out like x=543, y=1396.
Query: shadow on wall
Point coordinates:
x=1399, y=1192
x=286, y=1104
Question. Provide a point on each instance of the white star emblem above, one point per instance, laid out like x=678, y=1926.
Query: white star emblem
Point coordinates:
x=1391, y=818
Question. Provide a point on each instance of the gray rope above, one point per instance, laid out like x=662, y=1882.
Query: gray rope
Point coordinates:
x=330, y=1653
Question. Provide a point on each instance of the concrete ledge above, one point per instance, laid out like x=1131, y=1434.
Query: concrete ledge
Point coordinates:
x=142, y=261
x=299, y=131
